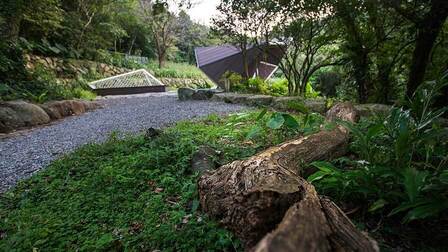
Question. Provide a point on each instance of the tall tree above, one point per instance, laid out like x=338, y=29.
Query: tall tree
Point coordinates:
x=234, y=25
x=428, y=18
x=163, y=27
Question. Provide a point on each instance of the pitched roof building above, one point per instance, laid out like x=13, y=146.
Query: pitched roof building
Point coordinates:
x=214, y=61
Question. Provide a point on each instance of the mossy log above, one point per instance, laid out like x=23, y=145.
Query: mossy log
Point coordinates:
x=250, y=197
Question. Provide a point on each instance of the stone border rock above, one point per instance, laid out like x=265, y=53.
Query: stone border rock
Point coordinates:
x=283, y=103
x=16, y=115
x=185, y=94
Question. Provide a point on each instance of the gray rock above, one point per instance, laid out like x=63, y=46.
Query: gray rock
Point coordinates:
x=313, y=105
x=281, y=103
x=259, y=100
x=233, y=98
x=316, y=105
x=203, y=94
x=9, y=120
x=367, y=110
x=18, y=114
x=204, y=159
x=152, y=133
x=185, y=94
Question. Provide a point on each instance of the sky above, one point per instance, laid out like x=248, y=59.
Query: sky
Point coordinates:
x=203, y=11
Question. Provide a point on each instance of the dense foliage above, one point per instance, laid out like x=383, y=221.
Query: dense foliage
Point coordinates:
x=400, y=168
x=89, y=29
x=382, y=50
x=132, y=193
x=102, y=31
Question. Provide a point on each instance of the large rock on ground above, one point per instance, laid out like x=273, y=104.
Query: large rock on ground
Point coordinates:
x=282, y=103
x=204, y=159
x=287, y=103
x=231, y=97
x=18, y=114
x=9, y=120
x=316, y=105
x=185, y=94
x=203, y=94
x=259, y=100
x=366, y=110
x=60, y=109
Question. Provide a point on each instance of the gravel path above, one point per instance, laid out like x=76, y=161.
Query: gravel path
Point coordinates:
x=24, y=154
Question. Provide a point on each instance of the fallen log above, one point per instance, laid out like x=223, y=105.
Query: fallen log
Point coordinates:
x=315, y=224
x=250, y=197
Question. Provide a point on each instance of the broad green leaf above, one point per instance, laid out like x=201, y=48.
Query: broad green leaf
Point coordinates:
x=290, y=121
x=375, y=130
x=413, y=181
x=324, y=166
x=253, y=132
x=262, y=114
x=276, y=122
x=195, y=206
x=104, y=240
x=377, y=205
x=317, y=176
x=406, y=206
x=427, y=210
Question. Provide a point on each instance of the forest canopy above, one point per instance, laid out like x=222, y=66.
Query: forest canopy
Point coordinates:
x=382, y=50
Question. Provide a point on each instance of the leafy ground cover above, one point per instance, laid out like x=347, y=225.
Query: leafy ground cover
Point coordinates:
x=395, y=181
x=175, y=70
x=131, y=193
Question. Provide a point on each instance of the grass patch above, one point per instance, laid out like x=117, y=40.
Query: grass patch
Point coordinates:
x=128, y=194
x=176, y=70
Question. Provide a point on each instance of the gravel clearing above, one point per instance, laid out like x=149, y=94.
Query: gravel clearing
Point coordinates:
x=26, y=153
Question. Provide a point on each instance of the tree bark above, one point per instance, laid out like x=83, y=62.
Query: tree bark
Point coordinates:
x=428, y=28
x=426, y=38
x=12, y=12
x=359, y=52
x=315, y=224
x=251, y=196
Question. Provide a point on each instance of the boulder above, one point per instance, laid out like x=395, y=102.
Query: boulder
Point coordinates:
x=231, y=97
x=204, y=159
x=203, y=94
x=281, y=103
x=367, y=110
x=259, y=100
x=9, y=120
x=316, y=105
x=76, y=107
x=53, y=109
x=152, y=133
x=185, y=94
x=313, y=105
x=60, y=109
x=18, y=114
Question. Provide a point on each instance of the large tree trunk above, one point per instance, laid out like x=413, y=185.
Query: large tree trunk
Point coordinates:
x=315, y=224
x=427, y=32
x=12, y=11
x=359, y=55
x=251, y=196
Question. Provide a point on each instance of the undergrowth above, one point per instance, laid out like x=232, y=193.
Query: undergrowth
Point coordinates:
x=397, y=175
x=175, y=70
x=129, y=194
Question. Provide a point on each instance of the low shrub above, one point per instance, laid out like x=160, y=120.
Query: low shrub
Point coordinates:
x=257, y=85
x=278, y=87
x=175, y=70
x=83, y=94
x=402, y=167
